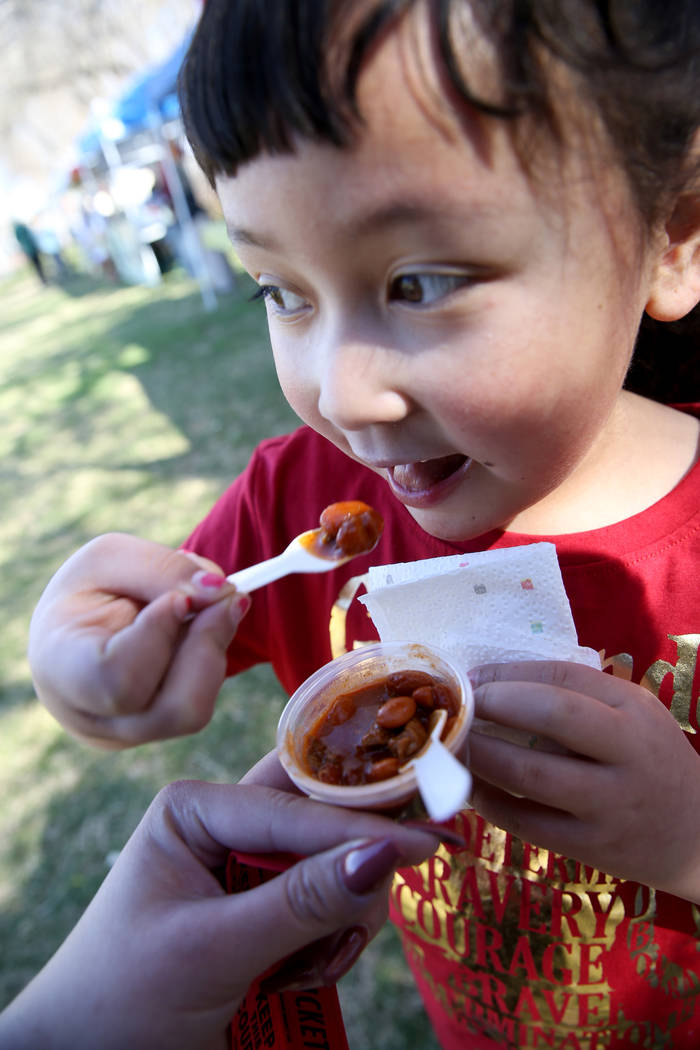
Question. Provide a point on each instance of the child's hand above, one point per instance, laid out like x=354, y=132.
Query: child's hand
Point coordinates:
x=128, y=642
x=626, y=802
x=162, y=957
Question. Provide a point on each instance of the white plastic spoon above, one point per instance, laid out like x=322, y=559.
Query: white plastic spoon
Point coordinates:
x=296, y=558
x=315, y=550
x=443, y=782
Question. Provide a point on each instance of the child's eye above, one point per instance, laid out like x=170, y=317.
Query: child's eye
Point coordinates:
x=283, y=301
x=425, y=288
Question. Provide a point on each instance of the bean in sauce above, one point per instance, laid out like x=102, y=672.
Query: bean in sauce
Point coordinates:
x=366, y=735
x=346, y=529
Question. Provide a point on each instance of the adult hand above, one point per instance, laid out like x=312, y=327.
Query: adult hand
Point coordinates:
x=128, y=642
x=623, y=792
x=162, y=957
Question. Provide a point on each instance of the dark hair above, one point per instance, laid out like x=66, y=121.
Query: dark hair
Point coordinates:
x=260, y=73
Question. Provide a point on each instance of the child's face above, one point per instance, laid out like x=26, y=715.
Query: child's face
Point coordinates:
x=459, y=327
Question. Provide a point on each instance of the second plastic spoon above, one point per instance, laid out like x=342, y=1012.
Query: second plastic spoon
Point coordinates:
x=443, y=782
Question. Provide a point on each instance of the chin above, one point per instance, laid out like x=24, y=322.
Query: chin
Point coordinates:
x=444, y=527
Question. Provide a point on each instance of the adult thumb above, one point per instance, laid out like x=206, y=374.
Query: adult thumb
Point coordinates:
x=333, y=901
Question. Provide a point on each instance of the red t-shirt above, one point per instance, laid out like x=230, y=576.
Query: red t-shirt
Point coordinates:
x=510, y=945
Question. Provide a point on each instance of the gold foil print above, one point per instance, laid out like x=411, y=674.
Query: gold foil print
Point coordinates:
x=683, y=672
x=525, y=929
x=621, y=665
x=339, y=614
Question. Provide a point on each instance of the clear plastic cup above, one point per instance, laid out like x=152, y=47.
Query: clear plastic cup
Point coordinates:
x=350, y=672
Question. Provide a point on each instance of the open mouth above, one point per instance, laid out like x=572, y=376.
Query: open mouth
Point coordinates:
x=424, y=483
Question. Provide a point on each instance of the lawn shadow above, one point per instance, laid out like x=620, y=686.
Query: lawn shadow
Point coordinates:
x=209, y=372
x=212, y=375
x=57, y=876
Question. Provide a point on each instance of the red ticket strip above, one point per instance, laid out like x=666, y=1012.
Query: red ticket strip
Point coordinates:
x=307, y=1020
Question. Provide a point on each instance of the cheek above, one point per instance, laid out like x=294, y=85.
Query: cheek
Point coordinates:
x=296, y=380
x=518, y=414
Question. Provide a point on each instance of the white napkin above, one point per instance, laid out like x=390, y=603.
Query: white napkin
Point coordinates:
x=489, y=607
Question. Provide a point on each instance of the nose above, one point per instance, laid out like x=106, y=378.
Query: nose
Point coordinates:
x=360, y=385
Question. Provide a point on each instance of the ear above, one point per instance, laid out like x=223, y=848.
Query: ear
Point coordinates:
x=675, y=279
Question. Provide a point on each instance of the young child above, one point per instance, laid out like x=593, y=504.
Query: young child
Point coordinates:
x=458, y=213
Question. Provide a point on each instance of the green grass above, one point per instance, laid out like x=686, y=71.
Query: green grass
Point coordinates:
x=127, y=408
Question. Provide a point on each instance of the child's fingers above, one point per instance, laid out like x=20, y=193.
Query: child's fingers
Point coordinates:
x=98, y=674
x=181, y=689
x=110, y=656
x=136, y=660
x=123, y=565
x=560, y=781
x=562, y=674
x=577, y=722
x=192, y=682
x=578, y=707
x=532, y=821
x=108, y=627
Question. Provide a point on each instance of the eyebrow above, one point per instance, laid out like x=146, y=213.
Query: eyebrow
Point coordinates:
x=392, y=214
x=239, y=235
x=405, y=212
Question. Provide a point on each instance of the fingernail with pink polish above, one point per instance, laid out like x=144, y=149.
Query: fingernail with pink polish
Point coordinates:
x=209, y=580
x=239, y=607
x=365, y=866
x=209, y=584
x=184, y=607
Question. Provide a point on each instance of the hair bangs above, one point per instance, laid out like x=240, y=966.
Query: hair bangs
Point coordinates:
x=256, y=77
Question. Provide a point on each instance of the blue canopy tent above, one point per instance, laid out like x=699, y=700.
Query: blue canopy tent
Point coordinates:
x=153, y=92
x=152, y=95
x=148, y=103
